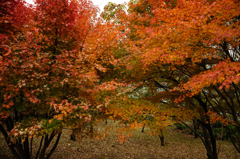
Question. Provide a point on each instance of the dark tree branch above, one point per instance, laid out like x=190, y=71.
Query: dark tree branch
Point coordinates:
x=55, y=146
x=225, y=49
x=195, y=133
x=224, y=98
x=237, y=148
x=31, y=147
x=26, y=148
x=52, y=136
x=8, y=125
x=206, y=97
x=39, y=148
x=236, y=92
x=46, y=143
x=208, y=127
x=10, y=145
x=160, y=86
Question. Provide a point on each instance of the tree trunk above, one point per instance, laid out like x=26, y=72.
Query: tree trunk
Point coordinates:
x=91, y=131
x=195, y=127
x=106, y=121
x=10, y=145
x=23, y=150
x=55, y=146
x=143, y=127
x=73, y=136
x=161, y=138
x=210, y=141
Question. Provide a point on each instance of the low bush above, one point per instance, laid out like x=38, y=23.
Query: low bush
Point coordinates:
x=180, y=126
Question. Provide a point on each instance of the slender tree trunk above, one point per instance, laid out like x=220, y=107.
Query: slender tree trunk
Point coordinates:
x=213, y=141
x=208, y=144
x=143, y=127
x=26, y=148
x=162, y=138
x=39, y=148
x=55, y=146
x=73, y=136
x=91, y=131
x=10, y=145
x=210, y=140
x=42, y=154
x=47, y=141
x=195, y=127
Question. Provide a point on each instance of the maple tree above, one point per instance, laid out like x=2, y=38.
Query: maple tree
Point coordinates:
x=53, y=58
x=61, y=65
x=187, y=52
x=120, y=110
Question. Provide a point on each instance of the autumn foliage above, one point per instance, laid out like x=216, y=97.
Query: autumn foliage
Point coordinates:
x=187, y=54
x=159, y=62
x=52, y=55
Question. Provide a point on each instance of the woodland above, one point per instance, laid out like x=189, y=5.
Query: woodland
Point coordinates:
x=148, y=65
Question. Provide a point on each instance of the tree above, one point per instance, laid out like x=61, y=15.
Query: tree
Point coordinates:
x=189, y=52
x=51, y=61
x=112, y=10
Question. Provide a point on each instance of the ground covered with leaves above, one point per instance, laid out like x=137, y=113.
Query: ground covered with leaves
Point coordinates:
x=179, y=145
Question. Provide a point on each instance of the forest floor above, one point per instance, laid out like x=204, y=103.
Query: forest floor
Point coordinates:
x=178, y=145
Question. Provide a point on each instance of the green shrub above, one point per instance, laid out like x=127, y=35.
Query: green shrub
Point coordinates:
x=180, y=126
x=233, y=131
x=217, y=131
x=217, y=125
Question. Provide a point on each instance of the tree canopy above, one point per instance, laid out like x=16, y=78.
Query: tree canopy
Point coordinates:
x=157, y=63
x=187, y=53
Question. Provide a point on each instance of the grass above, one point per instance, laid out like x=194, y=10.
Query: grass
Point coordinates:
x=179, y=145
